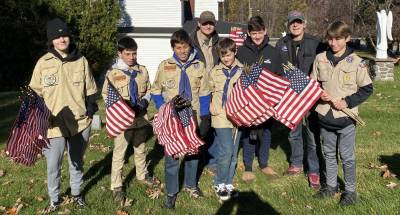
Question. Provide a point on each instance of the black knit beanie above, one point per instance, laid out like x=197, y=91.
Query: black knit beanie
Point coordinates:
x=56, y=28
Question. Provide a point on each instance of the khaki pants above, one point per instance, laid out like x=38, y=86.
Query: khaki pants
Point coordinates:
x=121, y=143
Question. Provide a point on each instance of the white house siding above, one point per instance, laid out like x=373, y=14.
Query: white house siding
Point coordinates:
x=151, y=13
x=151, y=51
x=202, y=5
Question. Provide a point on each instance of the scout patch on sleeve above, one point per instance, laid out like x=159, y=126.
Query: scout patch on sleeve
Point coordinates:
x=196, y=66
x=119, y=78
x=170, y=68
x=362, y=64
x=50, y=80
x=349, y=59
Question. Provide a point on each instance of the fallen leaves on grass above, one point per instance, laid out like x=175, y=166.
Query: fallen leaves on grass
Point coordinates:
x=337, y=195
x=93, y=136
x=376, y=133
x=383, y=167
x=308, y=207
x=153, y=193
x=99, y=147
x=388, y=174
x=65, y=211
x=121, y=212
x=127, y=203
x=14, y=210
x=67, y=200
x=39, y=198
x=6, y=183
x=391, y=185
x=2, y=208
x=2, y=173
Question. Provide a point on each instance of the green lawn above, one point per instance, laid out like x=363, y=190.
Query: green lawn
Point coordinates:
x=378, y=143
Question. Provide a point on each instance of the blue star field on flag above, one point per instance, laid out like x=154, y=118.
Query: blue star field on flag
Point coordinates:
x=112, y=97
x=298, y=80
x=185, y=115
x=251, y=78
x=23, y=114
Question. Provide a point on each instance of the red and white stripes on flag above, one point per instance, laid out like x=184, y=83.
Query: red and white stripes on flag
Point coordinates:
x=176, y=131
x=303, y=93
x=238, y=37
x=119, y=116
x=254, y=95
x=29, y=133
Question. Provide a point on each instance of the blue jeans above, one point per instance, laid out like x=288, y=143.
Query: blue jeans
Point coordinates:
x=296, y=141
x=228, y=147
x=172, y=173
x=213, y=153
x=249, y=147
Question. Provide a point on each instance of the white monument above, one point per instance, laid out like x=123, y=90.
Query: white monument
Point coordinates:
x=384, y=32
x=382, y=65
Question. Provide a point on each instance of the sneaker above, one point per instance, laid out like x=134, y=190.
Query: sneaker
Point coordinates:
x=118, y=195
x=293, y=170
x=233, y=193
x=79, y=201
x=269, y=172
x=194, y=192
x=248, y=176
x=348, y=198
x=313, y=179
x=52, y=207
x=325, y=192
x=221, y=192
x=170, y=201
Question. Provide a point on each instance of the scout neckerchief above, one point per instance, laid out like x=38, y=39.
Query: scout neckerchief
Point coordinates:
x=133, y=88
x=228, y=76
x=335, y=60
x=184, y=84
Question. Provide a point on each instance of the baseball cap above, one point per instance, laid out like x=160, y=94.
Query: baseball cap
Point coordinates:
x=207, y=16
x=293, y=15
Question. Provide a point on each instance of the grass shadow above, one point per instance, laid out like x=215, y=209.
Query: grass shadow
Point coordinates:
x=97, y=172
x=246, y=203
x=393, y=163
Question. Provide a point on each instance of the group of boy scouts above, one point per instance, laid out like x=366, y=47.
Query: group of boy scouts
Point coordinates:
x=203, y=69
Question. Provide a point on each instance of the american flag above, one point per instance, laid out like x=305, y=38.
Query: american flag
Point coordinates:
x=238, y=37
x=252, y=98
x=298, y=99
x=176, y=131
x=29, y=133
x=119, y=116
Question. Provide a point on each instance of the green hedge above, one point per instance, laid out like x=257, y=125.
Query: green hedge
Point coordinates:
x=93, y=24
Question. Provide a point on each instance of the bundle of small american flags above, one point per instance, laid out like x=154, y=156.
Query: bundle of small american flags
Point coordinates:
x=29, y=133
x=302, y=94
x=261, y=94
x=119, y=115
x=176, y=130
x=253, y=97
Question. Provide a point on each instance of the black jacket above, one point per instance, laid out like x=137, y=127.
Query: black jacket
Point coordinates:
x=249, y=54
x=310, y=46
x=196, y=45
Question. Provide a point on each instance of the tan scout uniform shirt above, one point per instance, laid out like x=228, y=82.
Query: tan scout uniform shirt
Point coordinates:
x=120, y=81
x=167, y=80
x=206, y=49
x=340, y=81
x=217, y=83
x=64, y=87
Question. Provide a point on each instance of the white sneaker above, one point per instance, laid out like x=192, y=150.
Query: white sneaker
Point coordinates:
x=221, y=192
x=231, y=191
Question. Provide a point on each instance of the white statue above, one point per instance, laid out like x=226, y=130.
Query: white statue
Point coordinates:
x=384, y=32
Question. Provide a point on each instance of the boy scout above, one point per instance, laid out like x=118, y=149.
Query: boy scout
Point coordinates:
x=222, y=78
x=185, y=75
x=63, y=78
x=132, y=82
x=346, y=83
